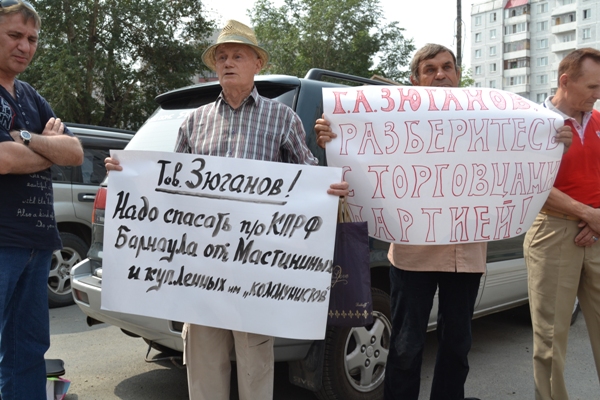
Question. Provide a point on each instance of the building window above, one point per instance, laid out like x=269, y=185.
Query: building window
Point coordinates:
x=493, y=51
x=493, y=34
x=493, y=84
x=478, y=20
x=478, y=70
x=587, y=33
x=569, y=37
x=493, y=17
x=554, y=75
x=478, y=37
x=516, y=11
x=516, y=28
x=516, y=46
x=542, y=61
x=516, y=80
x=493, y=67
x=587, y=14
x=541, y=97
x=478, y=53
x=543, y=44
x=542, y=79
x=542, y=8
x=477, y=84
x=518, y=63
x=542, y=26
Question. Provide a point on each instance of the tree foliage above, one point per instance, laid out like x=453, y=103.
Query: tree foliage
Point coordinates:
x=103, y=62
x=466, y=78
x=341, y=35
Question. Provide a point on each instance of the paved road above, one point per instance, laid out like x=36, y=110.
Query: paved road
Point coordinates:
x=104, y=364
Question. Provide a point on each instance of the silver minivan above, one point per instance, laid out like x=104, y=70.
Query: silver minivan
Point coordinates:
x=349, y=363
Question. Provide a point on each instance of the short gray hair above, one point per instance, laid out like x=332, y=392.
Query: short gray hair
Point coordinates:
x=427, y=52
x=25, y=9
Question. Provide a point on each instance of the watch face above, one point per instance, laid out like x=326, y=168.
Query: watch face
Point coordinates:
x=25, y=137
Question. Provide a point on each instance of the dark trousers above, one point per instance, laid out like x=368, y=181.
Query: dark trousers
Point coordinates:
x=412, y=296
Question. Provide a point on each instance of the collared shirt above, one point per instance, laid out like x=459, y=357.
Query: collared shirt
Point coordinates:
x=27, y=203
x=259, y=129
x=465, y=257
x=579, y=172
x=579, y=128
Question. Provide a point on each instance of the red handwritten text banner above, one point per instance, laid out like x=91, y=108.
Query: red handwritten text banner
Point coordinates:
x=442, y=165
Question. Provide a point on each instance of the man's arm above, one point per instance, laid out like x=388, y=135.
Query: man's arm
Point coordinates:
x=590, y=217
x=55, y=146
x=60, y=150
x=561, y=202
x=16, y=158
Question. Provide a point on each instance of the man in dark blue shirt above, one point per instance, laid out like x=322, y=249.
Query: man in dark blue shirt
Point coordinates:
x=31, y=140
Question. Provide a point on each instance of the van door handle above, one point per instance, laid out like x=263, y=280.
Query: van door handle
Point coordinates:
x=86, y=197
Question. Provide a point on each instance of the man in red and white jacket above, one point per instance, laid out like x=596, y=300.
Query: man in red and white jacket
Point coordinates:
x=561, y=250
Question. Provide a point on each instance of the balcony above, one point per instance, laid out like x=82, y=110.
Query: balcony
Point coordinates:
x=517, y=20
x=515, y=37
x=564, y=46
x=566, y=9
x=564, y=27
x=519, y=89
x=515, y=55
x=507, y=73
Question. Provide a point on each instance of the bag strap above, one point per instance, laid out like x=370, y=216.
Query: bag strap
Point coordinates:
x=344, y=211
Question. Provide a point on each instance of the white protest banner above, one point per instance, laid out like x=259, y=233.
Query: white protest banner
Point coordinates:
x=437, y=165
x=231, y=243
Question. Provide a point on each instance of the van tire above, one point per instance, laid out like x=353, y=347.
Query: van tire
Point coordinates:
x=342, y=381
x=59, y=279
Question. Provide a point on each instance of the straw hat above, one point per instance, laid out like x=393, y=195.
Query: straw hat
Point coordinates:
x=235, y=32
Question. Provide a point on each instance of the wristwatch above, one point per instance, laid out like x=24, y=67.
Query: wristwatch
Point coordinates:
x=25, y=137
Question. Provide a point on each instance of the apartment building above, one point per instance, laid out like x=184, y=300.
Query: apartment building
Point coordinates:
x=518, y=44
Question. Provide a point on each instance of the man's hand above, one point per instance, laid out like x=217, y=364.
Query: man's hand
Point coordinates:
x=564, y=135
x=54, y=127
x=338, y=189
x=323, y=131
x=591, y=218
x=112, y=165
x=587, y=237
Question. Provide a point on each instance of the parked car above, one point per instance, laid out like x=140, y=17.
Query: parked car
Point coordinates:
x=74, y=193
x=349, y=364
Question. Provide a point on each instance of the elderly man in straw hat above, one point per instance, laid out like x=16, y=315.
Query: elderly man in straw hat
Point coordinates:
x=242, y=124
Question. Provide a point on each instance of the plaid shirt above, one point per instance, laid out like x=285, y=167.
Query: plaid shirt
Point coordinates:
x=260, y=129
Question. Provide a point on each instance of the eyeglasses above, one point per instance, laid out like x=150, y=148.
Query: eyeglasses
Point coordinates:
x=10, y=3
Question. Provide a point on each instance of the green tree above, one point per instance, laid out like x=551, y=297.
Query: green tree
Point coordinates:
x=341, y=35
x=466, y=78
x=103, y=62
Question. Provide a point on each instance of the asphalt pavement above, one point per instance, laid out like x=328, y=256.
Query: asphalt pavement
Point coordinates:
x=105, y=364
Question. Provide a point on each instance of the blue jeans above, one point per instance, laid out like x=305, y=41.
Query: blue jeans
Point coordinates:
x=412, y=296
x=24, y=322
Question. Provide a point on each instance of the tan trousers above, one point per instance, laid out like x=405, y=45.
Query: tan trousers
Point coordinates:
x=558, y=271
x=207, y=351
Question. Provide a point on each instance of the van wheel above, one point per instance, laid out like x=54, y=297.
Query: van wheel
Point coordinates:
x=354, y=362
x=59, y=280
